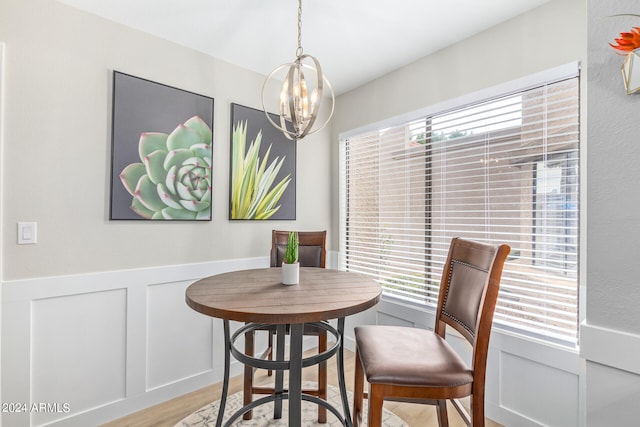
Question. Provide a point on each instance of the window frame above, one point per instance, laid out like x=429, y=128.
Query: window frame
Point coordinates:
x=517, y=86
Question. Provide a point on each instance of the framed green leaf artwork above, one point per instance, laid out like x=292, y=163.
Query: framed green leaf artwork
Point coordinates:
x=162, y=149
x=263, y=168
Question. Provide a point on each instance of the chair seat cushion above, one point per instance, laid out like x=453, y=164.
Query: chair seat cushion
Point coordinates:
x=409, y=357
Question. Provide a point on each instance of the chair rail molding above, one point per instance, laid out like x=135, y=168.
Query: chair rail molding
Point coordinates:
x=610, y=347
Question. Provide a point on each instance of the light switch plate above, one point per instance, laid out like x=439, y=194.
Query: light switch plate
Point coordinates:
x=27, y=233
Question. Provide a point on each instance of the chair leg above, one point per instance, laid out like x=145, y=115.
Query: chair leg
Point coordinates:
x=248, y=374
x=358, y=391
x=477, y=409
x=443, y=418
x=376, y=399
x=322, y=378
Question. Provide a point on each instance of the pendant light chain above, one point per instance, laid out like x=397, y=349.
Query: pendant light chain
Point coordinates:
x=299, y=50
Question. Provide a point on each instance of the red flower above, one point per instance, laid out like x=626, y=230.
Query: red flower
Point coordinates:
x=628, y=41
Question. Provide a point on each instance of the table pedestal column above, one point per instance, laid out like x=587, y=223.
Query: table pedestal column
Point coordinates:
x=295, y=375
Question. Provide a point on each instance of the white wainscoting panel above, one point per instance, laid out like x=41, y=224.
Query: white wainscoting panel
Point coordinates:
x=78, y=340
x=612, y=397
x=109, y=344
x=388, y=319
x=179, y=340
x=95, y=347
x=523, y=376
x=613, y=369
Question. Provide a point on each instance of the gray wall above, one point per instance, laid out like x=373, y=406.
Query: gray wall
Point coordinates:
x=613, y=173
x=611, y=331
x=56, y=158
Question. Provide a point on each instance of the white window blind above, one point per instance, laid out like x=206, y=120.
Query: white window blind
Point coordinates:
x=501, y=170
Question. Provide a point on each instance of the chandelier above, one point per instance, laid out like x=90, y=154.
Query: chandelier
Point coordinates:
x=299, y=101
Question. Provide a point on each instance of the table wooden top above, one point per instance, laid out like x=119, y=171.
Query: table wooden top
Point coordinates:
x=258, y=296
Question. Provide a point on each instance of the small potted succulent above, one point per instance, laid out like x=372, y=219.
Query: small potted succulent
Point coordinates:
x=290, y=264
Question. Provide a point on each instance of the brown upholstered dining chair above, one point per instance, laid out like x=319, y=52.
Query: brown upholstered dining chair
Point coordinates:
x=418, y=365
x=311, y=253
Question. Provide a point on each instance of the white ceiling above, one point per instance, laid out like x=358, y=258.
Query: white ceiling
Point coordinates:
x=355, y=41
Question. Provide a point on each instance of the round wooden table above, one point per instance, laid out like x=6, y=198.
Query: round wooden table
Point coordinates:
x=257, y=297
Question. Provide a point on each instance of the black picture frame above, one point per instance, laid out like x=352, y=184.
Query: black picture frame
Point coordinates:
x=162, y=150
x=274, y=149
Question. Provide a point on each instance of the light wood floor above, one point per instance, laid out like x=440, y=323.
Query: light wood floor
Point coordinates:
x=169, y=413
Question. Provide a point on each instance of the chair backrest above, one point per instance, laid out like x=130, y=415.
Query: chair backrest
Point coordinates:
x=311, y=248
x=469, y=292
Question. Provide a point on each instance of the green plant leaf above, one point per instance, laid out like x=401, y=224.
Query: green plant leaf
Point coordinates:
x=202, y=151
x=252, y=195
x=147, y=193
x=140, y=209
x=150, y=142
x=130, y=176
x=291, y=251
x=207, y=195
x=198, y=125
x=184, y=192
x=182, y=137
x=237, y=164
x=268, y=203
x=263, y=193
x=172, y=213
x=154, y=163
x=205, y=214
x=167, y=198
x=176, y=158
x=194, y=205
x=170, y=181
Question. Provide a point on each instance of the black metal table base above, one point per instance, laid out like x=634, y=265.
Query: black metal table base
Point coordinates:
x=294, y=365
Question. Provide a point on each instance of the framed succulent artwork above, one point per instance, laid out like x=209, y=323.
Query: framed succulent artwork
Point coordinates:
x=263, y=168
x=161, y=152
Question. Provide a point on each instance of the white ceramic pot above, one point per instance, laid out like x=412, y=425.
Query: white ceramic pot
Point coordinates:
x=290, y=273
